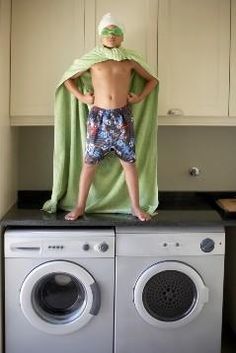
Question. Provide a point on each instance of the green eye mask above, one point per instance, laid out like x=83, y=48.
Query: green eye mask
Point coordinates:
x=112, y=32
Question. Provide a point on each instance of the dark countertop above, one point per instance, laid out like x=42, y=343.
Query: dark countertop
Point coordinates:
x=165, y=218
x=176, y=209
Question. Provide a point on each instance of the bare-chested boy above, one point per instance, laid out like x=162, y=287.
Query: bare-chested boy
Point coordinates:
x=111, y=113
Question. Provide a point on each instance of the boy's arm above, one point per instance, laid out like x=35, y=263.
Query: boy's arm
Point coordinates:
x=72, y=88
x=150, y=85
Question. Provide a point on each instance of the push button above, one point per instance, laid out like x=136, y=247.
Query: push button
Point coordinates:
x=85, y=247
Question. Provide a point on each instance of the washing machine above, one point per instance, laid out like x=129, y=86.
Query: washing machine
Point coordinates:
x=169, y=290
x=59, y=290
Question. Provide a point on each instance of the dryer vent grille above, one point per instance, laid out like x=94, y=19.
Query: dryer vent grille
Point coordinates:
x=169, y=295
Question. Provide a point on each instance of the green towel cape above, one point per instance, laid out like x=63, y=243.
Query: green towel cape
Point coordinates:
x=108, y=193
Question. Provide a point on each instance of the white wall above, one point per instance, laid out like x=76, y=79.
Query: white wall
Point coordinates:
x=8, y=135
x=212, y=149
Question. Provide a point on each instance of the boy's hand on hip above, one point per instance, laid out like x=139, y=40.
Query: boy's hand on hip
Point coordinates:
x=133, y=98
x=88, y=98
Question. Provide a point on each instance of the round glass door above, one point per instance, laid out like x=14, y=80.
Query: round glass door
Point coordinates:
x=169, y=294
x=59, y=297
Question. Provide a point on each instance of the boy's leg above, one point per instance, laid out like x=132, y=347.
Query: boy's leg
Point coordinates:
x=131, y=178
x=86, y=178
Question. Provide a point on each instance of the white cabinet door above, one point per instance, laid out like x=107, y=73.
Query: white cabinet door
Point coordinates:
x=139, y=19
x=46, y=37
x=232, y=101
x=193, y=57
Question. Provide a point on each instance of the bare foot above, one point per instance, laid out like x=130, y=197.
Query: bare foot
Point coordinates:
x=139, y=213
x=74, y=214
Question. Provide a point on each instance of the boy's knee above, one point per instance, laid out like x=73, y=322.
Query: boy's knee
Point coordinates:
x=90, y=165
x=128, y=164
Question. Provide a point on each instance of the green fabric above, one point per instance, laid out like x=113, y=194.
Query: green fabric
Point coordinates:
x=108, y=193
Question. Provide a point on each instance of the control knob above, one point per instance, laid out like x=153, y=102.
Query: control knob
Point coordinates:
x=207, y=245
x=103, y=247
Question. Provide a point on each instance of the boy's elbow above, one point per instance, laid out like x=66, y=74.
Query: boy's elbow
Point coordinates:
x=155, y=81
x=67, y=82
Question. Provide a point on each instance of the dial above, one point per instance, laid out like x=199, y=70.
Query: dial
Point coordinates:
x=103, y=247
x=207, y=245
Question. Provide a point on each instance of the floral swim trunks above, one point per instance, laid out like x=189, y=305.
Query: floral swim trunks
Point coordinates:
x=110, y=130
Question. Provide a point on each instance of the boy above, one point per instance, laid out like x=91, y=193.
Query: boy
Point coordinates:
x=110, y=125
x=104, y=80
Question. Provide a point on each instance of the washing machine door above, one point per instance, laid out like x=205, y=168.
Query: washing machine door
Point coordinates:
x=169, y=294
x=59, y=297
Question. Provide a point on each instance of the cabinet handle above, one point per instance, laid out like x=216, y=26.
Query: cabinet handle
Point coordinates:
x=175, y=111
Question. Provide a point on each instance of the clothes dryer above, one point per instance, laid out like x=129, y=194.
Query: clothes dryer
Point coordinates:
x=169, y=290
x=59, y=290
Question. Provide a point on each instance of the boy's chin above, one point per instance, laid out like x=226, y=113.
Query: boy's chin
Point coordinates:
x=110, y=46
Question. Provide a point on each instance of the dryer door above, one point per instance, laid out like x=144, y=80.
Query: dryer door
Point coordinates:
x=169, y=294
x=59, y=297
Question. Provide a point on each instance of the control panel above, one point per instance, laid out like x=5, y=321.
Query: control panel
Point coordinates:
x=172, y=244
x=54, y=244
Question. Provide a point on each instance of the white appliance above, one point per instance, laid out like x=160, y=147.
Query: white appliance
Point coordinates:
x=169, y=290
x=59, y=290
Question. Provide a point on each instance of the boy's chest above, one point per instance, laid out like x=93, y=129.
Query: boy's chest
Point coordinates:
x=112, y=67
